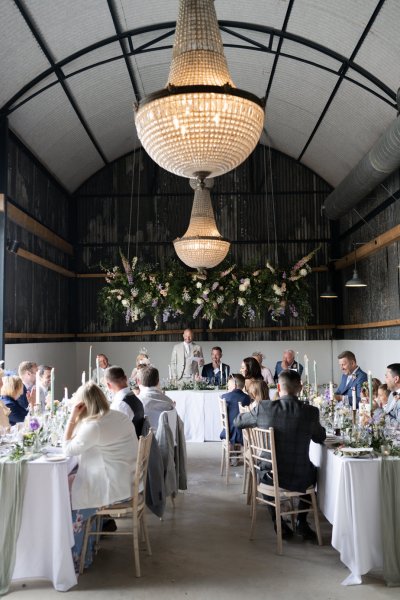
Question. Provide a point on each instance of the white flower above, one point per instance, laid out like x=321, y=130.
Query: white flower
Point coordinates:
x=303, y=272
x=220, y=299
x=242, y=287
x=277, y=289
x=199, y=300
x=125, y=302
x=134, y=292
x=246, y=282
x=119, y=297
x=241, y=301
x=199, y=284
x=185, y=295
x=206, y=291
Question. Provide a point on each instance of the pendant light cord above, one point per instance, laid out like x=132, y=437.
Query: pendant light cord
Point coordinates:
x=131, y=204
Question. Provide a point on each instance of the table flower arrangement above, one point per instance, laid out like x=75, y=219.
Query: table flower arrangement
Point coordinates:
x=141, y=290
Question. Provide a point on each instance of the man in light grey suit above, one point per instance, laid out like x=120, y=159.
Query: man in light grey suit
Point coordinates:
x=154, y=400
x=186, y=357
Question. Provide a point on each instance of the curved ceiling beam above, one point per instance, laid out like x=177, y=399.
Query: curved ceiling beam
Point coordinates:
x=227, y=26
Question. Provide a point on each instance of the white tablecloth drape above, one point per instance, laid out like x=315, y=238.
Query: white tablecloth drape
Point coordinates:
x=349, y=497
x=46, y=536
x=199, y=411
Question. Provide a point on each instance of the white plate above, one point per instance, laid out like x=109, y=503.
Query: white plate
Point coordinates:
x=56, y=457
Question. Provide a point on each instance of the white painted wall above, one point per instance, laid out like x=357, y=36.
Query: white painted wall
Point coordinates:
x=71, y=358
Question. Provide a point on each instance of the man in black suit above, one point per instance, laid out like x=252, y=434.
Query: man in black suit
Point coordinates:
x=216, y=369
x=295, y=425
x=124, y=399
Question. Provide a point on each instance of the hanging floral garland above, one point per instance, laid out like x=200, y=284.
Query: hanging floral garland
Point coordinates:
x=143, y=290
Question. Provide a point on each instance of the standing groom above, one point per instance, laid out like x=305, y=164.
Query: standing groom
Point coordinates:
x=186, y=357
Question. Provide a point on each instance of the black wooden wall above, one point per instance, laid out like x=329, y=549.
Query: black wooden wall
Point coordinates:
x=270, y=207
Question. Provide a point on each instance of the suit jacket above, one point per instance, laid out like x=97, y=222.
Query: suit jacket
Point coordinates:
x=178, y=360
x=295, y=425
x=155, y=402
x=232, y=404
x=208, y=371
x=345, y=389
x=17, y=412
x=294, y=367
x=136, y=407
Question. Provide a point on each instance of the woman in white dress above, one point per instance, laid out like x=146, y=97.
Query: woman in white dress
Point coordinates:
x=105, y=442
x=265, y=372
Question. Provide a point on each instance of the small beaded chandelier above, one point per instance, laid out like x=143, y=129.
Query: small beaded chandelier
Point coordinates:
x=202, y=246
x=200, y=122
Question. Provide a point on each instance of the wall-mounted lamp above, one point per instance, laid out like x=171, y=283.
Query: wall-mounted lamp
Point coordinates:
x=355, y=281
x=13, y=246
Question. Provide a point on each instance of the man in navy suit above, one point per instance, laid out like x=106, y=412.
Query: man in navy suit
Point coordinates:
x=353, y=377
x=216, y=370
x=232, y=398
x=288, y=363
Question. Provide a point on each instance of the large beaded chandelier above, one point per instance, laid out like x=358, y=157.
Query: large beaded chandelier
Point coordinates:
x=202, y=246
x=200, y=122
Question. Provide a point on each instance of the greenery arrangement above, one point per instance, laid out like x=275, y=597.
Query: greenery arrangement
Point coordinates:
x=140, y=290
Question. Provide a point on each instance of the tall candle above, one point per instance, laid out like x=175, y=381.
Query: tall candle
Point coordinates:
x=354, y=398
x=52, y=390
x=37, y=388
x=221, y=377
x=297, y=360
x=330, y=391
x=83, y=378
x=306, y=367
x=370, y=390
x=315, y=377
x=90, y=363
x=169, y=372
x=65, y=395
x=226, y=375
x=97, y=370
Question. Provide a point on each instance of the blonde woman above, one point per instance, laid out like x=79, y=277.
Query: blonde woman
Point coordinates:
x=11, y=390
x=106, y=443
x=142, y=360
x=4, y=410
x=258, y=391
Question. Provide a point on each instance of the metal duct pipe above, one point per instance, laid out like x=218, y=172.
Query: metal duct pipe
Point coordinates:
x=373, y=168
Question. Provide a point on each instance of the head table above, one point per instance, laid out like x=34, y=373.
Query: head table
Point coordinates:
x=199, y=411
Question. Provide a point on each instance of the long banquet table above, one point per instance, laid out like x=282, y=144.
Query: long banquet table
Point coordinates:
x=46, y=536
x=199, y=411
x=349, y=497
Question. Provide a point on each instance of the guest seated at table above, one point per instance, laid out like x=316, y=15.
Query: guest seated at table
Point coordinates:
x=103, y=365
x=4, y=410
x=265, y=372
x=251, y=371
x=106, y=444
x=365, y=392
x=11, y=391
x=154, y=400
x=27, y=372
x=383, y=395
x=44, y=372
x=288, y=363
x=392, y=408
x=295, y=425
x=124, y=399
x=258, y=391
x=216, y=370
x=141, y=359
x=353, y=377
x=232, y=398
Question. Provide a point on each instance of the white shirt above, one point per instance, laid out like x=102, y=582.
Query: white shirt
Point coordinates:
x=107, y=450
x=118, y=403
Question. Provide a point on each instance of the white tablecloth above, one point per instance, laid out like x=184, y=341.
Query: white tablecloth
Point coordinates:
x=349, y=497
x=46, y=537
x=199, y=411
